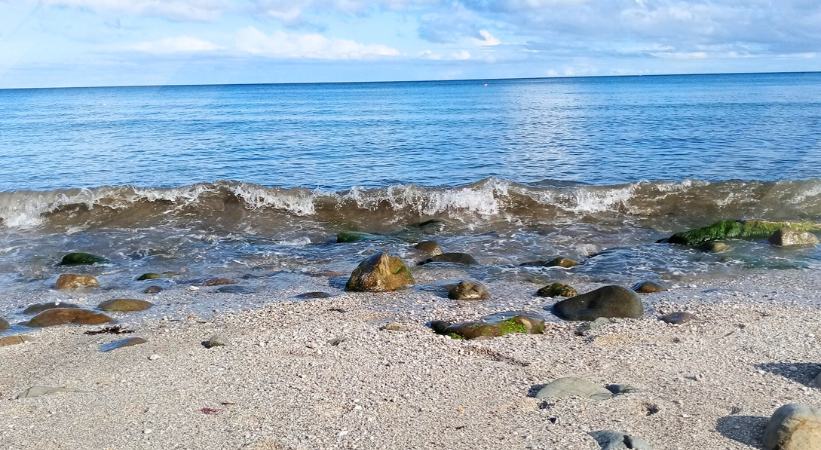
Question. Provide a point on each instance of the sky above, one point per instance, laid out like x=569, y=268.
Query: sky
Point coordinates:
x=53, y=43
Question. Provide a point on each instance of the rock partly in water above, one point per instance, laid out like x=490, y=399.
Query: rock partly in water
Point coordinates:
x=614, y=440
x=14, y=340
x=62, y=316
x=648, y=287
x=127, y=342
x=573, y=387
x=75, y=281
x=125, y=305
x=430, y=248
x=496, y=326
x=380, y=273
x=4, y=324
x=677, y=318
x=452, y=258
x=314, y=295
x=793, y=427
x=40, y=307
x=153, y=290
x=81, y=259
x=431, y=226
x=215, y=341
x=737, y=229
x=786, y=237
x=155, y=276
x=39, y=391
x=346, y=237
x=557, y=290
x=607, y=301
x=218, y=282
x=559, y=261
x=715, y=247
x=468, y=290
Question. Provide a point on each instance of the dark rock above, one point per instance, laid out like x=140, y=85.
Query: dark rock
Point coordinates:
x=677, y=318
x=346, y=237
x=125, y=305
x=573, y=387
x=75, y=281
x=218, y=282
x=430, y=248
x=468, y=290
x=4, y=325
x=153, y=290
x=607, y=301
x=491, y=327
x=380, y=273
x=793, y=427
x=737, y=229
x=786, y=237
x=555, y=262
x=431, y=226
x=155, y=276
x=6, y=341
x=314, y=295
x=621, y=389
x=452, y=258
x=614, y=440
x=236, y=289
x=557, y=290
x=40, y=307
x=127, y=342
x=648, y=287
x=81, y=259
x=62, y=316
x=215, y=341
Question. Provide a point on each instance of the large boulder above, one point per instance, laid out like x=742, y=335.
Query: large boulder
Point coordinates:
x=737, y=229
x=81, y=259
x=607, y=301
x=495, y=326
x=380, y=273
x=557, y=290
x=793, y=427
x=75, y=281
x=787, y=237
x=124, y=305
x=62, y=316
x=4, y=325
x=573, y=387
x=468, y=290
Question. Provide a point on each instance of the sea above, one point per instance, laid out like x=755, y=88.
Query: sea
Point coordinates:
x=238, y=180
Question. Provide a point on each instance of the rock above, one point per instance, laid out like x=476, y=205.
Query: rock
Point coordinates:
x=127, y=342
x=4, y=325
x=451, y=258
x=715, y=247
x=75, y=281
x=155, y=276
x=39, y=391
x=737, y=229
x=62, y=316
x=607, y=301
x=557, y=290
x=621, y=389
x=218, y=282
x=430, y=248
x=215, y=341
x=380, y=273
x=555, y=262
x=468, y=290
x=40, y=307
x=491, y=327
x=81, y=259
x=236, y=289
x=14, y=340
x=793, y=427
x=648, y=287
x=614, y=440
x=431, y=226
x=346, y=237
x=573, y=387
x=677, y=318
x=786, y=237
x=314, y=295
x=153, y=290
x=124, y=305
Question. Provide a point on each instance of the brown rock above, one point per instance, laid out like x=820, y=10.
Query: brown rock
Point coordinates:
x=648, y=287
x=75, y=281
x=557, y=290
x=153, y=290
x=124, y=305
x=40, y=307
x=62, y=316
x=4, y=325
x=380, y=273
x=468, y=290
x=793, y=427
x=430, y=248
x=218, y=282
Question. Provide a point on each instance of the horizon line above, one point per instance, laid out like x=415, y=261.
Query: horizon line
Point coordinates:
x=449, y=80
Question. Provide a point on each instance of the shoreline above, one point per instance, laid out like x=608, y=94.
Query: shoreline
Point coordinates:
x=323, y=374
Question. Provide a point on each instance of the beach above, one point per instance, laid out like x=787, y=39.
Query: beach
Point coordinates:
x=328, y=373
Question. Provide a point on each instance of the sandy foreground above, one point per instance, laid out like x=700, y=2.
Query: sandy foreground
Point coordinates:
x=323, y=374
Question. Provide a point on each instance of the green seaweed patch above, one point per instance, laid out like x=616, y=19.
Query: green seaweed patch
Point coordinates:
x=81, y=259
x=737, y=229
x=512, y=325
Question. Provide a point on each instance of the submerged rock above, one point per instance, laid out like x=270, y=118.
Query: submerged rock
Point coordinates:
x=127, y=342
x=81, y=259
x=786, y=237
x=40, y=307
x=218, y=282
x=607, y=301
x=614, y=440
x=314, y=295
x=75, y=281
x=125, y=305
x=468, y=290
x=452, y=258
x=236, y=289
x=62, y=316
x=648, y=287
x=153, y=290
x=677, y=318
x=14, y=340
x=793, y=427
x=4, y=325
x=737, y=229
x=559, y=261
x=430, y=248
x=557, y=290
x=346, y=237
x=492, y=327
x=573, y=387
x=715, y=247
x=380, y=273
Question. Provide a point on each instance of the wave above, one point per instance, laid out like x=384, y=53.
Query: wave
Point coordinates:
x=230, y=203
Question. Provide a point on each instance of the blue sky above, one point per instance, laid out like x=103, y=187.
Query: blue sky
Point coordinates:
x=114, y=42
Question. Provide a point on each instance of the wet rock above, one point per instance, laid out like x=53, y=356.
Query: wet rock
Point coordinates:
x=648, y=287
x=39, y=391
x=127, y=342
x=215, y=341
x=491, y=327
x=153, y=290
x=236, y=289
x=125, y=305
x=431, y=226
x=555, y=262
x=81, y=259
x=614, y=440
x=430, y=248
x=155, y=276
x=380, y=273
x=314, y=295
x=793, y=427
x=346, y=237
x=677, y=318
x=607, y=301
x=737, y=229
x=14, y=340
x=573, y=387
x=451, y=258
x=468, y=290
x=4, y=325
x=75, y=281
x=40, y=307
x=715, y=247
x=557, y=290
x=786, y=237
x=218, y=282
x=62, y=316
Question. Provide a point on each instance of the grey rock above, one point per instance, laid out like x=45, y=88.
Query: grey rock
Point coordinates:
x=818, y=381
x=786, y=237
x=314, y=295
x=607, y=301
x=235, y=289
x=614, y=440
x=153, y=290
x=468, y=290
x=793, y=427
x=451, y=258
x=573, y=387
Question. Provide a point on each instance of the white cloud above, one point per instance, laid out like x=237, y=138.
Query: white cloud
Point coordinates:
x=460, y=55
x=199, y=10
x=280, y=44
x=174, y=45
x=488, y=40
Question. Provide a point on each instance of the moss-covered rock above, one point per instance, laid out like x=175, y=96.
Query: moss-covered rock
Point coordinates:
x=346, y=237
x=557, y=290
x=124, y=305
x=81, y=259
x=62, y=316
x=380, y=273
x=468, y=290
x=451, y=258
x=491, y=327
x=75, y=281
x=737, y=229
x=607, y=301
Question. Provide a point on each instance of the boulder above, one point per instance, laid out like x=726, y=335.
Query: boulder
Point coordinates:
x=127, y=342
x=124, y=305
x=430, y=248
x=793, y=427
x=559, y=261
x=786, y=237
x=4, y=325
x=607, y=301
x=573, y=387
x=468, y=290
x=81, y=259
x=40, y=307
x=75, y=281
x=346, y=237
x=677, y=318
x=380, y=273
x=451, y=258
x=557, y=290
x=499, y=325
x=614, y=440
x=5, y=341
x=648, y=287
x=737, y=229
x=62, y=316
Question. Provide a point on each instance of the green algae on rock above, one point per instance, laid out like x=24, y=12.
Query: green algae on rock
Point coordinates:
x=81, y=259
x=380, y=273
x=494, y=326
x=737, y=229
